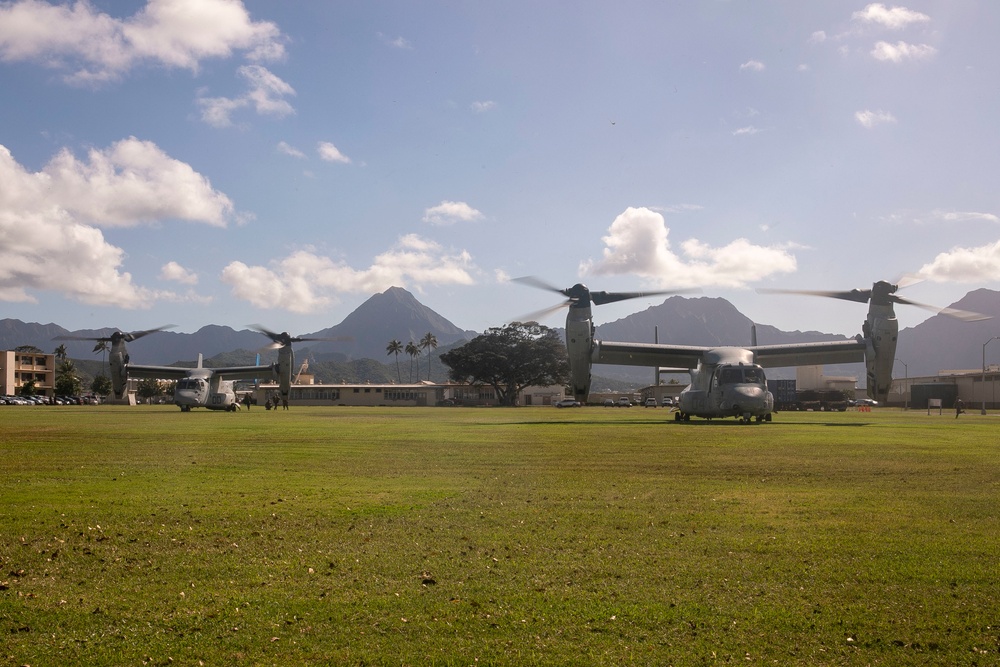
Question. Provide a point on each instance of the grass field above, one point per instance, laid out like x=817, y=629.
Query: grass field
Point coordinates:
x=144, y=536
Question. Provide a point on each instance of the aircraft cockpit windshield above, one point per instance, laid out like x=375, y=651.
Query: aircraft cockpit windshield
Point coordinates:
x=741, y=375
x=192, y=384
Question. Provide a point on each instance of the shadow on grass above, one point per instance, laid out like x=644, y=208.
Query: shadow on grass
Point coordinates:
x=694, y=423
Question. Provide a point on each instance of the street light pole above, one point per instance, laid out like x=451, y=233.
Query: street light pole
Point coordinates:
x=984, y=372
x=906, y=384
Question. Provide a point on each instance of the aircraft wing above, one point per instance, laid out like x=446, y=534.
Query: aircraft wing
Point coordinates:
x=768, y=356
x=244, y=372
x=647, y=354
x=810, y=354
x=175, y=373
x=157, y=372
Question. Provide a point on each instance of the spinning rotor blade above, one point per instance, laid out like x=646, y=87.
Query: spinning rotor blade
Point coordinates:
x=966, y=315
x=601, y=298
x=887, y=292
x=578, y=292
x=857, y=295
x=127, y=336
x=284, y=338
x=532, y=281
x=139, y=334
x=540, y=314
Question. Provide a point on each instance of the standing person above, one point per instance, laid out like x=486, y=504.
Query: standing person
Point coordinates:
x=958, y=407
x=246, y=401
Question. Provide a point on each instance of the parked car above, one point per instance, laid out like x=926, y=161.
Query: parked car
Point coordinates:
x=649, y=402
x=624, y=402
x=609, y=402
x=667, y=402
x=567, y=403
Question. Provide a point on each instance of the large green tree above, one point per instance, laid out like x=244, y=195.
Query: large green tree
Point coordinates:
x=68, y=381
x=510, y=358
x=101, y=385
x=148, y=388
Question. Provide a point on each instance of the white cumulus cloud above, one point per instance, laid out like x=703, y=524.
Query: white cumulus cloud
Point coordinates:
x=901, y=51
x=50, y=238
x=92, y=46
x=893, y=18
x=753, y=66
x=265, y=94
x=483, y=106
x=965, y=265
x=638, y=244
x=288, y=149
x=177, y=273
x=395, y=42
x=330, y=153
x=963, y=216
x=450, y=212
x=304, y=281
x=870, y=119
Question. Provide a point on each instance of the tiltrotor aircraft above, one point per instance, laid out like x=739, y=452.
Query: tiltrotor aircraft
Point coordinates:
x=199, y=387
x=729, y=381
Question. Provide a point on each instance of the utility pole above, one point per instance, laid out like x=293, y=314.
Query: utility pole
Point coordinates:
x=984, y=372
x=906, y=384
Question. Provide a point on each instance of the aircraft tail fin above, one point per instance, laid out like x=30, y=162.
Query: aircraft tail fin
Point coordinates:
x=200, y=359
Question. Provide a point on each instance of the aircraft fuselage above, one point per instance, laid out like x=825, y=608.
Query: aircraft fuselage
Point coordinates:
x=205, y=391
x=726, y=384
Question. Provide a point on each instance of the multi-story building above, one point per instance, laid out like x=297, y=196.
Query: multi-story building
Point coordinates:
x=19, y=368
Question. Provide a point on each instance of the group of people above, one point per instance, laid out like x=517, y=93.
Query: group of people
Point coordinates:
x=272, y=402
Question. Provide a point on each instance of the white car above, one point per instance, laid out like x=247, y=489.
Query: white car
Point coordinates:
x=567, y=403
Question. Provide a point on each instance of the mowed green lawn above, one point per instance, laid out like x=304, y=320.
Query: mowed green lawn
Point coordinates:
x=411, y=536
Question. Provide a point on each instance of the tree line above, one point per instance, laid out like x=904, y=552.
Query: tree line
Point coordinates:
x=507, y=358
x=395, y=347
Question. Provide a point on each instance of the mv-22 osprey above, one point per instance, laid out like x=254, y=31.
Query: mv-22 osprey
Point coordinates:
x=729, y=381
x=200, y=387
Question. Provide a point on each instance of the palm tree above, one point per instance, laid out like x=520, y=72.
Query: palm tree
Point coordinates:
x=102, y=346
x=395, y=347
x=414, y=352
x=429, y=342
x=60, y=353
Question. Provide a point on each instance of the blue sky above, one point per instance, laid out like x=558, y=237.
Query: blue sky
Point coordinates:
x=221, y=162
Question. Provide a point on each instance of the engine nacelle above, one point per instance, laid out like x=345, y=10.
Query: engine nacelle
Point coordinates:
x=286, y=361
x=579, y=346
x=880, y=354
x=118, y=363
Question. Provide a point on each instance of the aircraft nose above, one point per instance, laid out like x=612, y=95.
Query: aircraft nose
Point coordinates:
x=745, y=396
x=750, y=392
